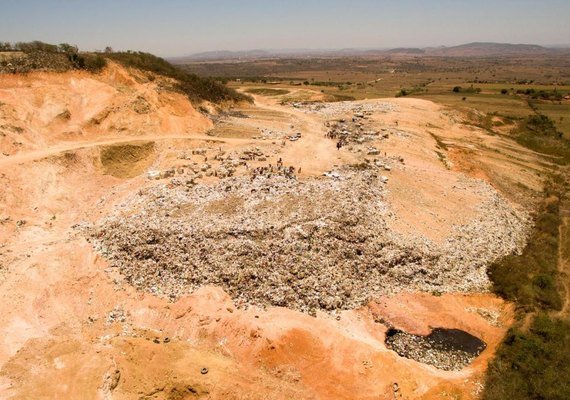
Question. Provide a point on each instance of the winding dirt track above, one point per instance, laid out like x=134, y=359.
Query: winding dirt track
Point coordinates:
x=43, y=153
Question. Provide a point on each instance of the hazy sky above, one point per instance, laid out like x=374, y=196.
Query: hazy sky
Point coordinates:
x=177, y=27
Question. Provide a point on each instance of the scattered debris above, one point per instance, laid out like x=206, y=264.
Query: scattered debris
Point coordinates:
x=447, y=349
x=266, y=241
x=116, y=315
x=295, y=137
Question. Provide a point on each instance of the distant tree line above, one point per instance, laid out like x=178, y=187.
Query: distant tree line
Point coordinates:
x=470, y=89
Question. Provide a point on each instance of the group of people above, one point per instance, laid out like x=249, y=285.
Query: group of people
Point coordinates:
x=269, y=170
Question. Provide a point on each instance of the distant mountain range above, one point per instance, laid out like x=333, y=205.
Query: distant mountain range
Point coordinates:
x=476, y=49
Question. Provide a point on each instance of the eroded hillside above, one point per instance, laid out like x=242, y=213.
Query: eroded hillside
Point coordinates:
x=40, y=110
x=149, y=252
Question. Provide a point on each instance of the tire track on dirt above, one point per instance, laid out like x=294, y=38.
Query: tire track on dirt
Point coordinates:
x=43, y=153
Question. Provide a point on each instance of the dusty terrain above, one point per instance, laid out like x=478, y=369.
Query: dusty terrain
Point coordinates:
x=78, y=151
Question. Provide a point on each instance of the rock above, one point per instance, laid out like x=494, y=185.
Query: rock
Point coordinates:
x=153, y=174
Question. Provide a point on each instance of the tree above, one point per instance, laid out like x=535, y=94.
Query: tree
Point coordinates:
x=5, y=46
x=108, y=49
x=69, y=49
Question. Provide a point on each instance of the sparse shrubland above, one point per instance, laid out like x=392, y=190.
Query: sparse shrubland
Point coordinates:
x=195, y=87
x=534, y=362
x=530, y=278
x=538, y=133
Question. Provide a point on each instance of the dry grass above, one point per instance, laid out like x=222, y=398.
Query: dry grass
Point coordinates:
x=127, y=160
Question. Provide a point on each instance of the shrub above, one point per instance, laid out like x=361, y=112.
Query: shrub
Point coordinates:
x=529, y=279
x=533, y=364
x=195, y=87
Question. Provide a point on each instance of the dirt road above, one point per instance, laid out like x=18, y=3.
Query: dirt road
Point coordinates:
x=62, y=148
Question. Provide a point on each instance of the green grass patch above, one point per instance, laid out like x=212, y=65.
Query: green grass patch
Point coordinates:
x=268, y=91
x=558, y=112
x=529, y=279
x=539, y=133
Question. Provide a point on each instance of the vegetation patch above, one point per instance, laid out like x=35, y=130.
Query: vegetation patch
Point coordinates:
x=268, y=91
x=195, y=87
x=530, y=278
x=538, y=132
x=533, y=364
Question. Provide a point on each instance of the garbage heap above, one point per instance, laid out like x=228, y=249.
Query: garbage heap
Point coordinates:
x=321, y=243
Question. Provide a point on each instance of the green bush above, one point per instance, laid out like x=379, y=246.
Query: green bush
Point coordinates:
x=530, y=279
x=90, y=62
x=533, y=364
x=538, y=133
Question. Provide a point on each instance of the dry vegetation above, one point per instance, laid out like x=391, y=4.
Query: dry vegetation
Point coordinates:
x=502, y=82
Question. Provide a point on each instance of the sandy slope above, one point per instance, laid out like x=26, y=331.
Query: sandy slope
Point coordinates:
x=72, y=330
x=42, y=109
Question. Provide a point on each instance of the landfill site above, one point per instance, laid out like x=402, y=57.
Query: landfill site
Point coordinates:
x=154, y=249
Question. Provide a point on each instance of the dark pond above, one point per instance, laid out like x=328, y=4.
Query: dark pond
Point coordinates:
x=447, y=349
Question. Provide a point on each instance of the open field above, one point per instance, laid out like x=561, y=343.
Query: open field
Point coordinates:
x=431, y=78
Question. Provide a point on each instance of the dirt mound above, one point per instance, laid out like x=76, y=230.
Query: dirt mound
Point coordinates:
x=127, y=160
x=39, y=110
